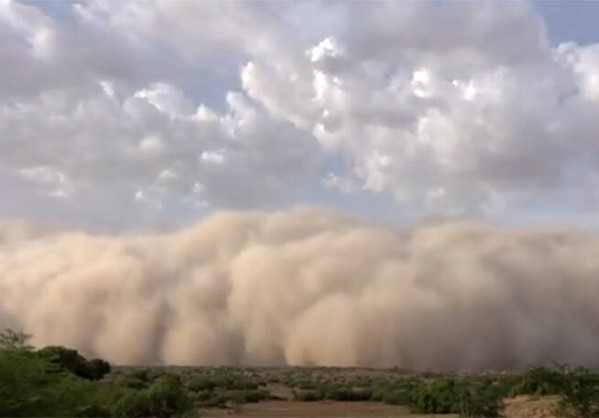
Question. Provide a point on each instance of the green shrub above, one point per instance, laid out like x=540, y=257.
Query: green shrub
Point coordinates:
x=399, y=393
x=167, y=397
x=308, y=395
x=580, y=393
x=539, y=381
x=466, y=397
x=73, y=362
x=478, y=399
x=345, y=393
x=247, y=396
x=198, y=384
x=92, y=411
x=32, y=386
x=436, y=396
x=56, y=382
x=133, y=382
x=133, y=404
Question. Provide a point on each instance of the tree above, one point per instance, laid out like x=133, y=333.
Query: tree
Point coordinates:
x=73, y=362
x=14, y=341
x=96, y=369
x=34, y=385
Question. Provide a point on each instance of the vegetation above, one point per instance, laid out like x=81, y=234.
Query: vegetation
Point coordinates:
x=75, y=363
x=466, y=397
x=59, y=382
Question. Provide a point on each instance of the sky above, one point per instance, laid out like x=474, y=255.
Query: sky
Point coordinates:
x=128, y=115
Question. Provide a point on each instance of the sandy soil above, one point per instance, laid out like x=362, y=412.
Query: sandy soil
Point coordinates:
x=526, y=406
x=311, y=409
x=520, y=407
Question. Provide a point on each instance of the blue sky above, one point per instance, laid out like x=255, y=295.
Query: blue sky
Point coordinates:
x=570, y=20
x=395, y=111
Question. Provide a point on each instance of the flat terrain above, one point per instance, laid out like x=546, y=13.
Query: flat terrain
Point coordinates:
x=520, y=407
x=311, y=409
x=238, y=392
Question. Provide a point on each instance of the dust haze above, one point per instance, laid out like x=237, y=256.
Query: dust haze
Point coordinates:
x=308, y=287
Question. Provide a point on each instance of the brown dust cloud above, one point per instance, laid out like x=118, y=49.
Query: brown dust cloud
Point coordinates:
x=308, y=287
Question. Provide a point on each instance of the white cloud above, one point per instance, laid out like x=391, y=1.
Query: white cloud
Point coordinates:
x=450, y=107
x=77, y=136
x=456, y=107
x=103, y=142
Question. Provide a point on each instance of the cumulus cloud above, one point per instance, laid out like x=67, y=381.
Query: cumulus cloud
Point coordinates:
x=153, y=143
x=40, y=53
x=85, y=117
x=208, y=104
x=308, y=287
x=477, y=112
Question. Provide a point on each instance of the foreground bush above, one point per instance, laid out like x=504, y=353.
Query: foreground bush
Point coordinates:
x=58, y=382
x=75, y=363
x=479, y=399
x=540, y=381
x=580, y=393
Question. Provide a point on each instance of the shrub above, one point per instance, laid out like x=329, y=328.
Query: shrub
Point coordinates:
x=198, y=384
x=308, y=395
x=466, y=397
x=539, y=381
x=580, y=393
x=166, y=397
x=478, y=399
x=399, y=393
x=92, y=411
x=247, y=396
x=133, y=404
x=30, y=386
x=437, y=396
x=73, y=362
x=96, y=369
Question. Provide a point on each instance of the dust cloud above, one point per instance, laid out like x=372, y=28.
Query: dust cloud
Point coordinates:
x=308, y=287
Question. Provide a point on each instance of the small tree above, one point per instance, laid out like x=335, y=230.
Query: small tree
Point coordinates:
x=14, y=341
x=73, y=362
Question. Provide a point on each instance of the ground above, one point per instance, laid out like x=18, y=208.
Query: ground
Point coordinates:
x=281, y=384
x=520, y=407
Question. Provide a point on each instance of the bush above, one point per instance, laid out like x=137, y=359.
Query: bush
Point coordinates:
x=479, y=399
x=132, y=404
x=580, y=393
x=308, y=395
x=466, y=397
x=92, y=411
x=344, y=393
x=167, y=397
x=539, y=381
x=399, y=393
x=30, y=386
x=137, y=379
x=247, y=396
x=435, y=397
x=73, y=362
x=96, y=369
x=55, y=382
x=198, y=384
